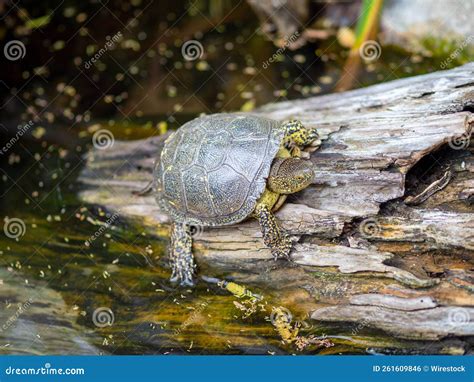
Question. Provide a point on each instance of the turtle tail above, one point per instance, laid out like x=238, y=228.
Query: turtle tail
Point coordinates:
x=145, y=191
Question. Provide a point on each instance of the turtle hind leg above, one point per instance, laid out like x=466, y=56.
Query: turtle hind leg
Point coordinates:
x=145, y=191
x=279, y=243
x=181, y=255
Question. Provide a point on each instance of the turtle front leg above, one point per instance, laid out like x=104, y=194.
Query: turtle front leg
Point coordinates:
x=278, y=242
x=301, y=136
x=181, y=255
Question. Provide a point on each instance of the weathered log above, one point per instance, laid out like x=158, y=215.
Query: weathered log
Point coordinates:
x=353, y=233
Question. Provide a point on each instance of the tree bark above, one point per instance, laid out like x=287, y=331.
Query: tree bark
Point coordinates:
x=361, y=253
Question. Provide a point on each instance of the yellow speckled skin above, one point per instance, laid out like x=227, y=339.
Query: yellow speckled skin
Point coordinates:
x=297, y=134
x=289, y=174
x=181, y=256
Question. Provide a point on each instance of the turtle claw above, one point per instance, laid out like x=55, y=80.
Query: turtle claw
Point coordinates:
x=281, y=256
x=183, y=272
x=313, y=137
x=174, y=278
x=282, y=249
x=187, y=283
x=183, y=280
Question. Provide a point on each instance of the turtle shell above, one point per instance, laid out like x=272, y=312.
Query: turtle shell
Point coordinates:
x=213, y=169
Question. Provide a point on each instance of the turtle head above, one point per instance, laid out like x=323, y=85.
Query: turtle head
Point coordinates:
x=290, y=175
